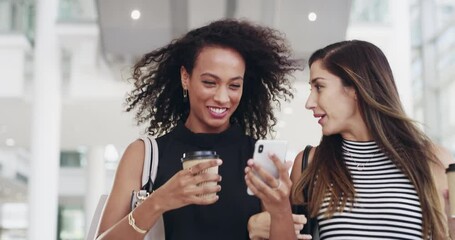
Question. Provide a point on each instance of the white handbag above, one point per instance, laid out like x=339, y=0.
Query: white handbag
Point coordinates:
x=148, y=179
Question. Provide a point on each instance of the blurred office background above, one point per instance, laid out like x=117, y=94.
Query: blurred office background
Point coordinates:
x=64, y=66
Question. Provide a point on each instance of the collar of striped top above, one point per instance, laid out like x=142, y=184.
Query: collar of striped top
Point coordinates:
x=353, y=148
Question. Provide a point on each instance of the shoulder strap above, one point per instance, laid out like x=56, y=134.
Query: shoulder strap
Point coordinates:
x=154, y=167
x=306, y=154
x=150, y=167
x=312, y=225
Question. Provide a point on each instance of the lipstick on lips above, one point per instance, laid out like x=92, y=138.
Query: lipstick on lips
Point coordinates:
x=218, y=112
x=320, y=116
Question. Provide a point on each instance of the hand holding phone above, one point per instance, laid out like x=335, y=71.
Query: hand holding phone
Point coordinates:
x=262, y=149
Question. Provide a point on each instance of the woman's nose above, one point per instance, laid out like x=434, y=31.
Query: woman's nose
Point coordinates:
x=221, y=95
x=310, y=102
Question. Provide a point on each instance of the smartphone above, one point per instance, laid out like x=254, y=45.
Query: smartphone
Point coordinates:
x=262, y=148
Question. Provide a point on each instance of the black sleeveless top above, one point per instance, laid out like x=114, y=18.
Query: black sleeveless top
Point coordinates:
x=228, y=217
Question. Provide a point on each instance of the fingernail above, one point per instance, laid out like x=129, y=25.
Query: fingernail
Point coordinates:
x=219, y=161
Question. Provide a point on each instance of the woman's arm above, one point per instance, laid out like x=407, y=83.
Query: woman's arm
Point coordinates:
x=440, y=179
x=259, y=226
x=179, y=191
x=274, y=194
x=297, y=166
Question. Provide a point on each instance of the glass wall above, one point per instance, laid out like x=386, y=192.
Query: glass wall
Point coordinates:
x=370, y=12
x=17, y=16
x=433, y=67
x=71, y=222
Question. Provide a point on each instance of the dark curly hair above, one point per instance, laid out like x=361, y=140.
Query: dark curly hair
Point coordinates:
x=158, y=98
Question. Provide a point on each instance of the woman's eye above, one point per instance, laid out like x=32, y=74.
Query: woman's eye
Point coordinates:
x=208, y=83
x=235, y=86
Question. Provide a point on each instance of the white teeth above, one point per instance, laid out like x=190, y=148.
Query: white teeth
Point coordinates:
x=217, y=110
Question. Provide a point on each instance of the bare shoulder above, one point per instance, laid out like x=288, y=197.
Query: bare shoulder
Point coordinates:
x=133, y=156
x=127, y=178
x=297, y=166
x=443, y=155
x=129, y=170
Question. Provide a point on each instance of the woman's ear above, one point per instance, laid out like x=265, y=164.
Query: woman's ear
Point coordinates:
x=184, y=77
x=351, y=91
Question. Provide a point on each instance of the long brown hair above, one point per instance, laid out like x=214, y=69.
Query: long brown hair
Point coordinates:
x=364, y=67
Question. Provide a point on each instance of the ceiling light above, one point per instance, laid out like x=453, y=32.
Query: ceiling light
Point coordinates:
x=135, y=14
x=10, y=142
x=312, y=16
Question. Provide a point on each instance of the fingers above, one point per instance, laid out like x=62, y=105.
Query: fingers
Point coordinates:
x=206, y=194
x=203, y=166
x=197, y=184
x=270, y=180
x=282, y=168
x=202, y=188
x=205, y=177
x=299, y=221
x=261, y=189
x=303, y=236
x=256, y=185
x=299, y=218
x=298, y=227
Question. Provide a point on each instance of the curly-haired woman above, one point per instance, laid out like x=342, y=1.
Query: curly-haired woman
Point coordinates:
x=212, y=89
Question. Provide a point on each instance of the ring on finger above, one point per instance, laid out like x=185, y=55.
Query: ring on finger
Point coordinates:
x=278, y=185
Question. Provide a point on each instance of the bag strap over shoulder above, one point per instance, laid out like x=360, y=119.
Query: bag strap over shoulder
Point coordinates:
x=312, y=226
x=150, y=167
x=306, y=155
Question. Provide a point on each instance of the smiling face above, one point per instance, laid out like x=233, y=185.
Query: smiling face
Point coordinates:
x=214, y=89
x=335, y=105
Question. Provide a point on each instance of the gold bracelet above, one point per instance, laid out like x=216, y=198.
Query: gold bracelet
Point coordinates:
x=132, y=223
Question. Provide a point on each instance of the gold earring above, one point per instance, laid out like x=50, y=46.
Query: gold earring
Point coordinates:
x=185, y=95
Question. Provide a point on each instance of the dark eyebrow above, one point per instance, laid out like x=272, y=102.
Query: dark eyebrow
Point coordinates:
x=217, y=78
x=312, y=81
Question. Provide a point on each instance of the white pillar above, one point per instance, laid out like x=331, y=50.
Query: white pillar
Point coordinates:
x=431, y=96
x=400, y=51
x=96, y=181
x=45, y=129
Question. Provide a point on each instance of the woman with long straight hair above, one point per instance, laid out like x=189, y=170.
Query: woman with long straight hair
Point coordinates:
x=375, y=174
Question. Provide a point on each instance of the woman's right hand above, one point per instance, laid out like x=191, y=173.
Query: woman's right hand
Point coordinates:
x=259, y=226
x=183, y=188
x=179, y=191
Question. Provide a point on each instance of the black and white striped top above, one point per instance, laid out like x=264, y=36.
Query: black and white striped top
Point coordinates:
x=386, y=205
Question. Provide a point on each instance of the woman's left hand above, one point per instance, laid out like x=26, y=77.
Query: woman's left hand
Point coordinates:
x=273, y=192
